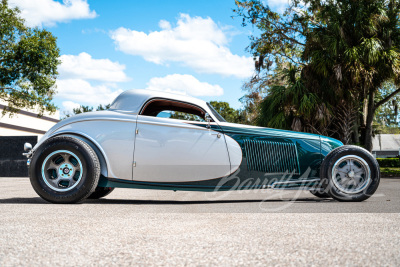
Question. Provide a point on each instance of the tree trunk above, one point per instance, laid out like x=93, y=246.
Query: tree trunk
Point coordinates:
x=345, y=116
x=369, y=121
x=365, y=110
x=363, y=119
x=356, y=131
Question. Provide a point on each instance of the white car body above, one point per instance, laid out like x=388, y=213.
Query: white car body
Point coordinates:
x=152, y=149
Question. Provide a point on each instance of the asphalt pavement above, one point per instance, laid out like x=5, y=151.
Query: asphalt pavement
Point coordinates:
x=151, y=227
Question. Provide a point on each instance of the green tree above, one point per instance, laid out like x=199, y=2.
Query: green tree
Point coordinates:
x=226, y=111
x=251, y=107
x=184, y=116
x=84, y=109
x=345, y=50
x=387, y=116
x=28, y=63
x=101, y=107
x=293, y=106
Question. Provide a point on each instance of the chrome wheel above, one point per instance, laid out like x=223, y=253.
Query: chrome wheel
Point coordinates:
x=62, y=170
x=351, y=174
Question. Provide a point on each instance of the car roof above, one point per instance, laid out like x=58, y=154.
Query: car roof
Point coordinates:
x=131, y=101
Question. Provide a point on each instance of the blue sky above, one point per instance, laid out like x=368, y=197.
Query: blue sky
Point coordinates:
x=191, y=47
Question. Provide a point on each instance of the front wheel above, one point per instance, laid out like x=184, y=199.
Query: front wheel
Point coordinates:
x=350, y=173
x=64, y=170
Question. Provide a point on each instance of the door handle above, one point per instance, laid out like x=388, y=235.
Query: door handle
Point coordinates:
x=217, y=134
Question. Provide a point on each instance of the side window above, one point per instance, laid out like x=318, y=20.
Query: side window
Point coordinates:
x=173, y=110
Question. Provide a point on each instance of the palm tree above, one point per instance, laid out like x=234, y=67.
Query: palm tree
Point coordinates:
x=355, y=46
x=344, y=51
x=293, y=106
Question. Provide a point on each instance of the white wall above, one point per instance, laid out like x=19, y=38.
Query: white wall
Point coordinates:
x=26, y=120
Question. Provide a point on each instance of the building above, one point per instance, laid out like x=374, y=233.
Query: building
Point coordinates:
x=26, y=122
x=24, y=126
x=386, y=145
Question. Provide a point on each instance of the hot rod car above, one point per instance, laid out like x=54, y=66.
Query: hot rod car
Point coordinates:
x=157, y=140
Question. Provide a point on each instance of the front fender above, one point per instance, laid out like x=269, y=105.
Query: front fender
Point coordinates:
x=95, y=146
x=112, y=140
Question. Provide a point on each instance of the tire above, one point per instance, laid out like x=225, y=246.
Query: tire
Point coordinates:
x=350, y=173
x=101, y=192
x=64, y=170
x=320, y=194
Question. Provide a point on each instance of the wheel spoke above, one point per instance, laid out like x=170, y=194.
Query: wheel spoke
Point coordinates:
x=56, y=181
x=348, y=183
x=357, y=169
x=344, y=180
x=52, y=165
x=358, y=178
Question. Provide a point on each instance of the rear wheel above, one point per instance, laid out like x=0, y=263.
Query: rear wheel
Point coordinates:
x=64, y=170
x=350, y=173
x=101, y=192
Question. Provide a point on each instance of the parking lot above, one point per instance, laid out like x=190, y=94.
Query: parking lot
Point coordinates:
x=182, y=228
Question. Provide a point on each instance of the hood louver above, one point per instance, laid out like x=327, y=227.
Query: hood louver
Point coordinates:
x=271, y=157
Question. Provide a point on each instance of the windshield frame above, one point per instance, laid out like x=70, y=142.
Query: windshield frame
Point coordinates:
x=215, y=113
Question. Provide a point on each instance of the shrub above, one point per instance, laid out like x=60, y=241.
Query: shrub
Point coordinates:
x=388, y=162
x=390, y=172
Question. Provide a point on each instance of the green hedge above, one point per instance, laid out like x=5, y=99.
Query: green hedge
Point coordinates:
x=390, y=172
x=389, y=162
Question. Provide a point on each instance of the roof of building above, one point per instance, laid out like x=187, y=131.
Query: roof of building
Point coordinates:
x=26, y=122
x=389, y=142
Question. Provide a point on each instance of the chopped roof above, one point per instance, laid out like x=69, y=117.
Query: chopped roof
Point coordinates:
x=132, y=100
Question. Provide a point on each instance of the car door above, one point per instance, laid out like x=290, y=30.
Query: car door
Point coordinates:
x=176, y=150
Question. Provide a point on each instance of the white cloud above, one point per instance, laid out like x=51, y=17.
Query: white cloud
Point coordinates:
x=83, y=66
x=82, y=92
x=73, y=85
x=76, y=92
x=184, y=84
x=49, y=12
x=165, y=25
x=68, y=106
x=277, y=2
x=195, y=42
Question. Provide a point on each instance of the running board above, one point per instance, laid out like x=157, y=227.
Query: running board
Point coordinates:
x=306, y=184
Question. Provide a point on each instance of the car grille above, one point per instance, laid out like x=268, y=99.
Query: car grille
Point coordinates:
x=271, y=157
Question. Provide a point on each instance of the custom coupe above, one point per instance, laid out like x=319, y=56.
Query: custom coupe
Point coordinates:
x=157, y=140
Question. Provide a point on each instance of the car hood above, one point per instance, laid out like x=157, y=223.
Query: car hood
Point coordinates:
x=234, y=128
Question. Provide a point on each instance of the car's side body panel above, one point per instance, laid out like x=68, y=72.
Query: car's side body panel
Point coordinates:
x=257, y=146
x=174, y=151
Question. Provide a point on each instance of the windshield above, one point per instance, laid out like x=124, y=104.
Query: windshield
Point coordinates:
x=215, y=113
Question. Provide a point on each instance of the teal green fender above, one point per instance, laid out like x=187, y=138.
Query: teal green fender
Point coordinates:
x=272, y=155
